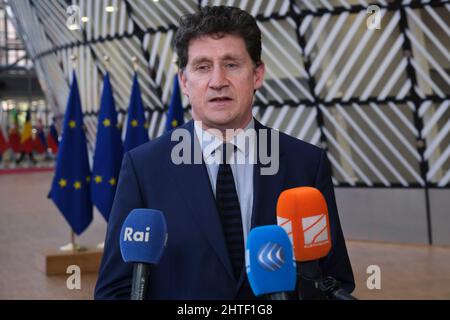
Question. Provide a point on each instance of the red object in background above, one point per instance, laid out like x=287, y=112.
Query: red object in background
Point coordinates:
x=14, y=140
x=3, y=142
x=27, y=145
x=38, y=146
x=39, y=141
x=52, y=139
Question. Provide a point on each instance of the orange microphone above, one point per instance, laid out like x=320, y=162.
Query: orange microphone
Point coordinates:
x=303, y=213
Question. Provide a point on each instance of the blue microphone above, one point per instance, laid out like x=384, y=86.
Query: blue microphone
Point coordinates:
x=142, y=241
x=270, y=264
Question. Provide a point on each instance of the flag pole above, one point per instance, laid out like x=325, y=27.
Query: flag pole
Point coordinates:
x=73, y=58
x=120, y=123
x=101, y=245
x=135, y=63
x=72, y=246
x=106, y=59
x=174, y=61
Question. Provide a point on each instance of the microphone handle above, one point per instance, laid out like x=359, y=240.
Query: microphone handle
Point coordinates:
x=278, y=296
x=309, y=275
x=332, y=289
x=141, y=272
x=341, y=294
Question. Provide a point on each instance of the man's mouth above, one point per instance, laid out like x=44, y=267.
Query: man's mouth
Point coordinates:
x=220, y=99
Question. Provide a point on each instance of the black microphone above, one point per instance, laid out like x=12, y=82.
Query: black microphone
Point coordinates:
x=142, y=241
x=309, y=275
x=332, y=289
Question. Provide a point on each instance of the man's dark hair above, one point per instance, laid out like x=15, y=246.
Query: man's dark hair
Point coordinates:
x=217, y=21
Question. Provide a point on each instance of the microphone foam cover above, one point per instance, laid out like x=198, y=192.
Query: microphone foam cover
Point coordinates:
x=269, y=259
x=143, y=236
x=303, y=214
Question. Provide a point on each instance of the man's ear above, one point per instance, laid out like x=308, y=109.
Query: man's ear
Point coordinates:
x=259, y=75
x=183, y=82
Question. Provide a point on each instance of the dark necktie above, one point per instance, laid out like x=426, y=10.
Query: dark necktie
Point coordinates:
x=230, y=212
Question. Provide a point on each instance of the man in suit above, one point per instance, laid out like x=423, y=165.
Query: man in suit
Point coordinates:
x=210, y=206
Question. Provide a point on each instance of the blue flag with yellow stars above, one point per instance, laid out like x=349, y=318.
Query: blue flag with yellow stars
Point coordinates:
x=108, y=153
x=136, y=133
x=70, y=187
x=175, y=115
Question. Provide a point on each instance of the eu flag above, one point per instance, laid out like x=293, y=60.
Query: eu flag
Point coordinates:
x=175, y=115
x=136, y=129
x=71, y=183
x=108, y=153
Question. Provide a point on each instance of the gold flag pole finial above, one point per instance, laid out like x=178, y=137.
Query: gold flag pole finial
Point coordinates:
x=106, y=59
x=73, y=58
x=135, y=63
x=175, y=62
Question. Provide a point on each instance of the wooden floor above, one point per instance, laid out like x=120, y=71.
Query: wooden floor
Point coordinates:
x=30, y=225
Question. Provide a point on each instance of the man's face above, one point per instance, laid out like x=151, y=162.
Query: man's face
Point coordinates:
x=219, y=80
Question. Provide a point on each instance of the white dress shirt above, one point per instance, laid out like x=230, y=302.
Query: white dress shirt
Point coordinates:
x=242, y=172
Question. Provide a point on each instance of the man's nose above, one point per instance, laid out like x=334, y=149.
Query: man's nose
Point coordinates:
x=218, y=79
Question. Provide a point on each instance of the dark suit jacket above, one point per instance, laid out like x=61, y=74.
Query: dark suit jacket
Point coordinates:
x=195, y=263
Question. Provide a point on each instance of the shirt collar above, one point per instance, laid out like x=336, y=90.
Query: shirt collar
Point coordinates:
x=206, y=139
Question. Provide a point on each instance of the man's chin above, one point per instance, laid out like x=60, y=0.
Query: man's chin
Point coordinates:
x=221, y=123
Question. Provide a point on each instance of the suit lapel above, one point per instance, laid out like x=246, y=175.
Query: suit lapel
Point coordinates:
x=266, y=188
x=192, y=181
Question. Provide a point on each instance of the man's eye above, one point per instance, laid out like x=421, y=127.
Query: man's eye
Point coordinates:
x=231, y=65
x=202, y=68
